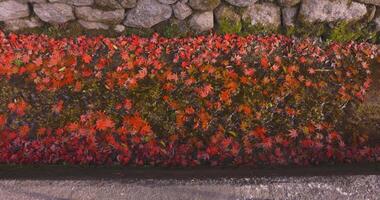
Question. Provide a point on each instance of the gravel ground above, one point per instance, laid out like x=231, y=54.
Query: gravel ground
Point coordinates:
x=296, y=187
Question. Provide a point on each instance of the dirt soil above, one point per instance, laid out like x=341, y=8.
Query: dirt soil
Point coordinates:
x=367, y=115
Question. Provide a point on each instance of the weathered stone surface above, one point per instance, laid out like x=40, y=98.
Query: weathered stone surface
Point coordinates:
x=97, y=15
x=32, y=1
x=119, y=28
x=181, y=10
x=288, y=3
x=373, y=2
x=377, y=23
x=228, y=20
x=109, y=4
x=54, y=12
x=167, y=1
x=241, y=3
x=202, y=21
x=147, y=13
x=19, y=24
x=265, y=14
x=116, y=4
x=74, y=2
x=181, y=26
x=128, y=3
x=204, y=5
x=11, y=9
x=93, y=25
x=289, y=16
x=330, y=11
x=371, y=13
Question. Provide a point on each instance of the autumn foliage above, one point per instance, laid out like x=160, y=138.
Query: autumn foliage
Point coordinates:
x=208, y=100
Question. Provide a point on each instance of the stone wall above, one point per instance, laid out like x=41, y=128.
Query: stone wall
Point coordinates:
x=188, y=15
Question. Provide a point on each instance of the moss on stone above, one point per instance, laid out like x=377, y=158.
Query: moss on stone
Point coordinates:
x=229, y=26
x=143, y=32
x=305, y=29
x=339, y=31
x=259, y=29
x=345, y=32
x=289, y=31
x=228, y=20
x=73, y=29
x=172, y=28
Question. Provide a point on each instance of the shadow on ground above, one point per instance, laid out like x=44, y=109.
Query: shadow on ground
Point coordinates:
x=54, y=172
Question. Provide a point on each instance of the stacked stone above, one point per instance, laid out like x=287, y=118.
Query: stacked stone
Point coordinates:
x=199, y=15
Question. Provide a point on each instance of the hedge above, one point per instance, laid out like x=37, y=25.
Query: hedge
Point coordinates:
x=207, y=100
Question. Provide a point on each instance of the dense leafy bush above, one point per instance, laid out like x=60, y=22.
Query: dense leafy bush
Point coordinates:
x=213, y=100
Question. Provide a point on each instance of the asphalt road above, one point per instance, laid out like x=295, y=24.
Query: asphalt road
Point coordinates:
x=61, y=183
x=320, y=187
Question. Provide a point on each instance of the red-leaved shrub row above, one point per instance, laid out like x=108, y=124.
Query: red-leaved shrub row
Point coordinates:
x=207, y=100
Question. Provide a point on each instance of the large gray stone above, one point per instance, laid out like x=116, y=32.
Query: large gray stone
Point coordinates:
x=147, y=13
x=241, y=3
x=93, y=25
x=74, y=2
x=167, y=1
x=289, y=15
x=97, y=15
x=116, y=4
x=265, y=14
x=204, y=5
x=181, y=10
x=19, y=24
x=288, y=3
x=202, y=21
x=54, y=12
x=330, y=11
x=11, y=9
x=373, y=2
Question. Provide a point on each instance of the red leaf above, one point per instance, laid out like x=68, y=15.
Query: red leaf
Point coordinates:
x=24, y=131
x=104, y=123
x=18, y=107
x=127, y=104
x=38, y=61
x=57, y=108
x=264, y=62
x=293, y=133
x=205, y=91
x=3, y=120
x=259, y=132
x=86, y=58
